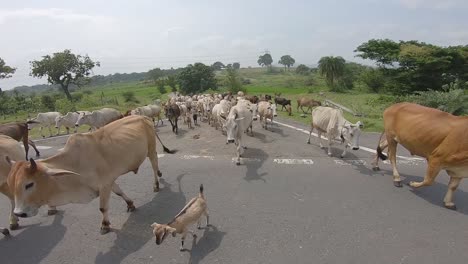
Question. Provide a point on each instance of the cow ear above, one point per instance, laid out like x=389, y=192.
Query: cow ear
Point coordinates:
x=9, y=161
x=153, y=225
x=60, y=172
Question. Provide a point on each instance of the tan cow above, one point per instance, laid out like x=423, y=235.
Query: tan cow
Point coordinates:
x=86, y=168
x=305, y=101
x=438, y=136
x=266, y=110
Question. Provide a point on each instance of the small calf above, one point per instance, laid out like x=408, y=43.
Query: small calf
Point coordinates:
x=188, y=119
x=289, y=110
x=190, y=214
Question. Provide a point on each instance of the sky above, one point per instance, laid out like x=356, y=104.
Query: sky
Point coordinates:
x=138, y=35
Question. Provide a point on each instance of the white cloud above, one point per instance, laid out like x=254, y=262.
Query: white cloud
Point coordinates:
x=433, y=4
x=64, y=15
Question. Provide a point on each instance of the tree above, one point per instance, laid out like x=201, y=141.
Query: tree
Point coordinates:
x=155, y=74
x=172, y=82
x=236, y=65
x=48, y=102
x=217, y=66
x=265, y=60
x=333, y=68
x=373, y=79
x=196, y=78
x=160, y=83
x=287, y=61
x=302, y=69
x=232, y=80
x=64, y=68
x=5, y=70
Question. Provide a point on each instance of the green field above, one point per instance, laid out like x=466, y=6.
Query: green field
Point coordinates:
x=289, y=84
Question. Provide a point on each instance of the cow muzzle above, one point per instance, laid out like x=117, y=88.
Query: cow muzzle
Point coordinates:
x=230, y=141
x=76, y=125
x=355, y=148
x=22, y=215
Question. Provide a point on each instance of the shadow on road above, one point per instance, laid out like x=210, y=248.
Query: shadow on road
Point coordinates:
x=435, y=193
x=34, y=243
x=252, y=173
x=136, y=231
x=209, y=242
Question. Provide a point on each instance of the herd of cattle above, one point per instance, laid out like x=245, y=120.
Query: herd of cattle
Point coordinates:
x=58, y=180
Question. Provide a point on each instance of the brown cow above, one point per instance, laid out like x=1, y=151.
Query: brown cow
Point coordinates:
x=309, y=102
x=438, y=136
x=104, y=155
x=173, y=113
x=19, y=131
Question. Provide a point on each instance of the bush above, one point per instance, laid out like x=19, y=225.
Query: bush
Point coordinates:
x=64, y=106
x=77, y=97
x=246, y=81
x=161, y=87
x=373, y=79
x=87, y=92
x=310, y=81
x=302, y=70
x=454, y=101
x=129, y=96
x=48, y=103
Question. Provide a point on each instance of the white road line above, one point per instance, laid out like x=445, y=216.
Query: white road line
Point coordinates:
x=350, y=162
x=187, y=157
x=40, y=147
x=247, y=160
x=294, y=161
x=360, y=147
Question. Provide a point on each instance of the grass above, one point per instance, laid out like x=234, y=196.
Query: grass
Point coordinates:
x=289, y=84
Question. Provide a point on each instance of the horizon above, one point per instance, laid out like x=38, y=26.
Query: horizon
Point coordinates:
x=138, y=36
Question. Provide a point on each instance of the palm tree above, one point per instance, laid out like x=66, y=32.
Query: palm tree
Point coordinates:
x=332, y=68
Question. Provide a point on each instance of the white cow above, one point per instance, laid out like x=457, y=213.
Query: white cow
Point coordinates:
x=69, y=120
x=44, y=120
x=99, y=118
x=266, y=110
x=215, y=114
x=237, y=122
x=331, y=121
x=150, y=111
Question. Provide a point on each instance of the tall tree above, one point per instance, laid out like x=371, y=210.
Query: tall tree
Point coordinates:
x=64, y=68
x=218, y=66
x=302, y=69
x=287, y=61
x=172, y=82
x=233, y=82
x=5, y=70
x=155, y=74
x=333, y=68
x=265, y=60
x=196, y=78
x=236, y=65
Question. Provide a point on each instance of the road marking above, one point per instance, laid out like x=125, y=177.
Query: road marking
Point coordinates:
x=405, y=162
x=360, y=147
x=247, y=160
x=188, y=157
x=294, y=161
x=40, y=147
x=350, y=162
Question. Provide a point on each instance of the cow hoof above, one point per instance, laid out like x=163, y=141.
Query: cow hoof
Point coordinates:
x=341, y=156
x=52, y=212
x=451, y=207
x=160, y=174
x=375, y=168
x=397, y=184
x=38, y=155
x=308, y=142
x=238, y=163
x=14, y=226
x=155, y=189
x=329, y=154
x=105, y=230
x=131, y=208
x=5, y=232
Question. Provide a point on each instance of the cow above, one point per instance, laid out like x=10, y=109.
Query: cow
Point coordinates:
x=104, y=155
x=289, y=110
x=173, y=113
x=99, y=118
x=150, y=111
x=282, y=101
x=435, y=135
x=309, y=102
x=252, y=98
x=44, y=120
x=19, y=131
x=332, y=122
x=266, y=110
x=68, y=120
x=10, y=148
x=237, y=122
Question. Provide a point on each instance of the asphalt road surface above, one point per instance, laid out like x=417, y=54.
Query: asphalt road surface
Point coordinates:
x=287, y=203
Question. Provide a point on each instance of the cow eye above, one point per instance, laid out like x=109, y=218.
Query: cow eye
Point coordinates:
x=29, y=185
x=351, y=134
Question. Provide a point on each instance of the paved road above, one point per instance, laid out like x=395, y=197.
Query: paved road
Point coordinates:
x=287, y=203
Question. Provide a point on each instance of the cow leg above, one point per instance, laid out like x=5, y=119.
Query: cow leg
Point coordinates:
x=13, y=218
x=34, y=147
x=433, y=170
x=330, y=143
x=104, y=195
x=40, y=129
x=68, y=130
x=344, y=151
x=153, y=157
x=238, y=151
x=26, y=146
x=75, y=130
x=452, y=186
x=383, y=144
x=392, y=147
x=58, y=131
x=176, y=127
x=50, y=131
x=310, y=134
x=116, y=189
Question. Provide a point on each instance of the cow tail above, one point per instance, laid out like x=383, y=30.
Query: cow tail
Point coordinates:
x=379, y=150
x=164, y=147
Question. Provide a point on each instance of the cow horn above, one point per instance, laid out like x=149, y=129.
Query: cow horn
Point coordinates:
x=33, y=165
